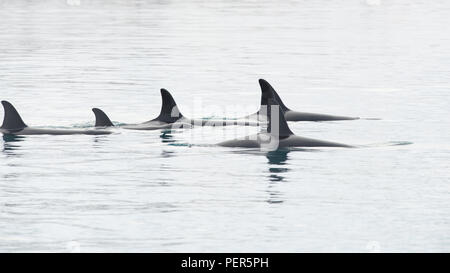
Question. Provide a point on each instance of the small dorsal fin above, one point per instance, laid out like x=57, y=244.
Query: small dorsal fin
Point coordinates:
x=268, y=91
x=101, y=119
x=169, y=109
x=12, y=119
x=276, y=119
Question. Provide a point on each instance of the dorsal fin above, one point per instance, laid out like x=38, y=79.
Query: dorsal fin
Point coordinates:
x=276, y=120
x=169, y=109
x=12, y=119
x=101, y=119
x=268, y=91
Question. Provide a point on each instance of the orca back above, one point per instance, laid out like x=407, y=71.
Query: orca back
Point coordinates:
x=169, y=109
x=267, y=91
x=12, y=120
x=101, y=119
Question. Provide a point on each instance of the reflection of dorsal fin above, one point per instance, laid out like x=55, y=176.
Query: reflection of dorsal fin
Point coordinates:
x=101, y=119
x=267, y=91
x=12, y=119
x=169, y=109
x=276, y=120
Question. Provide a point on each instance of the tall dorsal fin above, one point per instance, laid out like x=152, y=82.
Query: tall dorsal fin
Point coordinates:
x=12, y=119
x=268, y=91
x=101, y=119
x=276, y=119
x=169, y=109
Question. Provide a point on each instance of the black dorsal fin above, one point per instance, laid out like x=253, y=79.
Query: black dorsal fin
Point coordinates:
x=101, y=119
x=268, y=91
x=276, y=119
x=12, y=119
x=169, y=109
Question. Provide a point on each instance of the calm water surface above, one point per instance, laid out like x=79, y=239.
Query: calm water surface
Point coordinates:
x=162, y=191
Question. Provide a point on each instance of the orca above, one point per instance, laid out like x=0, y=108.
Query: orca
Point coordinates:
x=278, y=134
x=169, y=118
x=289, y=114
x=102, y=120
x=14, y=125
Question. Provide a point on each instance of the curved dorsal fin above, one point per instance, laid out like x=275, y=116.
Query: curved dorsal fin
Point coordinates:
x=101, y=119
x=276, y=119
x=12, y=119
x=169, y=109
x=268, y=91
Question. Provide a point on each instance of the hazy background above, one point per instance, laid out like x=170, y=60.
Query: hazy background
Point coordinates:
x=163, y=191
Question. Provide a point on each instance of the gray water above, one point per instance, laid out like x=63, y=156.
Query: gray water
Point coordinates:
x=164, y=191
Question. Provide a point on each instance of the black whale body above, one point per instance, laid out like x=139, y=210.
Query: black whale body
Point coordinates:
x=14, y=125
x=291, y=115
